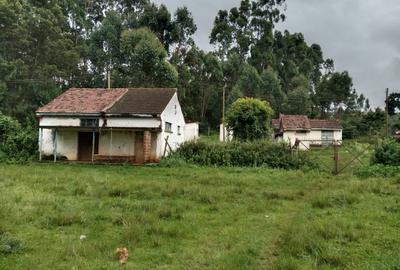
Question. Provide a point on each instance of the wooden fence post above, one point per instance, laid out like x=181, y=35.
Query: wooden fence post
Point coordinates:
x=336, y=157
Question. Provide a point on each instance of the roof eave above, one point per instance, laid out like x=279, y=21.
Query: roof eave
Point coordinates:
x=61, y=114
x=326, y=128
x=98, y=114
x=296, y=129
x=133, y=115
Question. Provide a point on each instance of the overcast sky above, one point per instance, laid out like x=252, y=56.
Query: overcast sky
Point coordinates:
x=362, y=36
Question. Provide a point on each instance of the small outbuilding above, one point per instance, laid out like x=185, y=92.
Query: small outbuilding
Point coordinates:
x=135, y=125
x=302, y=132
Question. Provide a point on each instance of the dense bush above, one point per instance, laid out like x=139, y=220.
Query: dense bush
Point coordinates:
x=16, y=143
x=378, y=170
x=360, y=124
x=242, y=154
x=387, y=152
x=249, y=119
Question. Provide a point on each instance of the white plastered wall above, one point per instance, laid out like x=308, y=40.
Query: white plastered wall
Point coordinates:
x=337, y=134
x=172, y=114
x=67, y=143
x=311, y=137
x=191, y=132
x=120, y=143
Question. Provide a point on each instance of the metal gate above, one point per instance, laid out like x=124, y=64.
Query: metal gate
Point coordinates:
x=335, y=156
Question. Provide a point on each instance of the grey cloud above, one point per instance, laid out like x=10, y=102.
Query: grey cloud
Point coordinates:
x=362, y=36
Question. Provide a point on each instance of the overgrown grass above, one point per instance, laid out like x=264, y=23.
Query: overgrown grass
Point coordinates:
x=188, y=217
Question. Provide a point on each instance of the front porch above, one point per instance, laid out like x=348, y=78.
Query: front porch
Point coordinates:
x=106, y=145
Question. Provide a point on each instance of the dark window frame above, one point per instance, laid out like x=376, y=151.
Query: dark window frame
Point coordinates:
x=168, y=127
x=89, y=122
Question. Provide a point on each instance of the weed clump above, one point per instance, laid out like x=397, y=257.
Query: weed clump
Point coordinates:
x=387, y=152
x=118, y=192
x=378, y=170
x=10, y=244
x=334, y=200
x=63, y=220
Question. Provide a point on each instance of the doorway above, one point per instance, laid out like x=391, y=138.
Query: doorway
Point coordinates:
x=85, y=144
x=139, y=151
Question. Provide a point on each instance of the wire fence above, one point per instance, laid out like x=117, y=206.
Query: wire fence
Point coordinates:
x=336, y=156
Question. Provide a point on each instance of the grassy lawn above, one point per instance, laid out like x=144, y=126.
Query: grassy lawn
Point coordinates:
x=195, y=218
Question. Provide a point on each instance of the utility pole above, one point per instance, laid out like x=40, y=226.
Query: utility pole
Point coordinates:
x=223, y=112
x=109, y=79
x=387, y=112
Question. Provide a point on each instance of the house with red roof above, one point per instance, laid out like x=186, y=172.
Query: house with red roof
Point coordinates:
x=135, y=125
x=302, y=132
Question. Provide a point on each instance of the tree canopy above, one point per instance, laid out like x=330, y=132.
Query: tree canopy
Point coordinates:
x=49, y=46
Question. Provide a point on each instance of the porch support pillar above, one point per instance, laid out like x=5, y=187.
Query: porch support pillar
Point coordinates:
x=111, y=144
x=146, y=145
x=40, y=143
x=55, y=144
x=93, y=143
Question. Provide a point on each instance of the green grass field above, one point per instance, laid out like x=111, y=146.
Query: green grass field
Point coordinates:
x=195, y=218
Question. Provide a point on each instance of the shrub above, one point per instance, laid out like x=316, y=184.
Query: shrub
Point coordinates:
x=387, y=152
x=249, y=119
x=377, y=170
x=242, y=154
x=16, y=143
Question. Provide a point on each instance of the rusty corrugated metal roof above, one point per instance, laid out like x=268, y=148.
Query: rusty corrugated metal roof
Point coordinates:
x=143, y=101
x=325, y=124
x=295, y=122
x=115, y=101
x=301, y=122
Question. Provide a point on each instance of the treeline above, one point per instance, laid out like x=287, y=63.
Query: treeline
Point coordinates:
x=49, y=46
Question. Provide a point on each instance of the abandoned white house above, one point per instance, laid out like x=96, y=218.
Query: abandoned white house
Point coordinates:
x=137, y=125
x=305, y=132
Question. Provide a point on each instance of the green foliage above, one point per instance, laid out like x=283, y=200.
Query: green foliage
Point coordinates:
x=10, y=244
x=378, y=170
x=272, y=90
x=393, y=103
x=334, y=89
x=387, y=152
x=242, y=154
x=236, y=31
x=145, y=63
x=249, y=119
x=35, y=54
x=357, y=124
x=395, y=123
x=298, y=102
x=16, y=143
x=248, y=85
x=47, y=47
